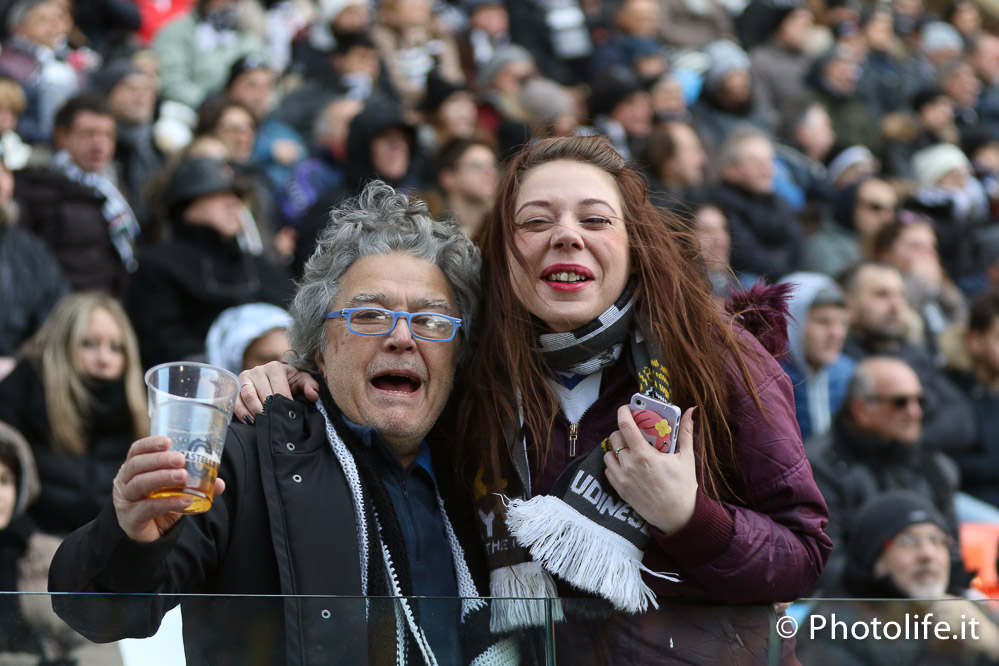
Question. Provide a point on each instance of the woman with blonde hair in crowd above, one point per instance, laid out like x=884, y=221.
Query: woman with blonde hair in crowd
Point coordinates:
x=77, y=395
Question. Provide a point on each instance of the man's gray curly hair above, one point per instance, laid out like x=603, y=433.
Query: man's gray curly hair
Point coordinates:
x=379, y=221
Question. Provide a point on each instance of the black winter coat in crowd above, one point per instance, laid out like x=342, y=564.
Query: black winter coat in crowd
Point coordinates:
x=767, y=238
x=74, y=488
x=850, y=467
x=980, y=463
x=68, y=217
x=359, y=169
x=30, y=284
x=182, y=285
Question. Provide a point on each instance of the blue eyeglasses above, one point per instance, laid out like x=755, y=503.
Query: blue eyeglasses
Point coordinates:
x=377, y=321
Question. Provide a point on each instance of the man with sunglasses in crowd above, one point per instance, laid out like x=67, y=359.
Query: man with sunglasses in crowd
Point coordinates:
x=347, y=496
x=876, y=444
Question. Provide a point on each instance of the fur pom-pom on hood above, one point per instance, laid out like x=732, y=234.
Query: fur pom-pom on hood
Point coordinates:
x=762, y=310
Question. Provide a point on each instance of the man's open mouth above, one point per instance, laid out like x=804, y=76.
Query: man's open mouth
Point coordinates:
x=397, y=382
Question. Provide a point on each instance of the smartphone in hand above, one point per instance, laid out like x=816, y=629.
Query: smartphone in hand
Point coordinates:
x=659, y=421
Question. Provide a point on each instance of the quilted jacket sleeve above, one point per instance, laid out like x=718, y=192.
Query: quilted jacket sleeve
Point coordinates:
x=771, y=545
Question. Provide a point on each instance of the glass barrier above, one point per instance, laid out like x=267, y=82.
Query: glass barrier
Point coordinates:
x=127, y=630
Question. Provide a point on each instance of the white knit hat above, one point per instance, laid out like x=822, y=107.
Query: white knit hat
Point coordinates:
x=931, y=164
x=237, y=328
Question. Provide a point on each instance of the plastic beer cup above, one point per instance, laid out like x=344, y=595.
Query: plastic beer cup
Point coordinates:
x=192, y=403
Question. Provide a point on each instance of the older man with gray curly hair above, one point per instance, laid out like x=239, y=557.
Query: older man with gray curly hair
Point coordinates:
x=344, y=496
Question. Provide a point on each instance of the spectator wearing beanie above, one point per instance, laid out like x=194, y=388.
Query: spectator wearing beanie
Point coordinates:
x=727, y=100
x=131, y=96
x=551, y=108
x=901, y=548
x=500, y=83
x=246, y=336
x=832, y=80
x=954, y=199
x=889, y=519
x=849, y=165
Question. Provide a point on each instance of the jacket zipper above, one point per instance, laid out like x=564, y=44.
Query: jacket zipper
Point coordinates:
x=574, y=430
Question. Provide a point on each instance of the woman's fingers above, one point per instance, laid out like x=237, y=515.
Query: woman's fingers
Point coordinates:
x=257, y=384
x=685, y=440
x=302, y=383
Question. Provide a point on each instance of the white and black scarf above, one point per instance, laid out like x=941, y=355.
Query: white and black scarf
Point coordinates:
x=581, y=531
x=385, y=564
x=123, y=228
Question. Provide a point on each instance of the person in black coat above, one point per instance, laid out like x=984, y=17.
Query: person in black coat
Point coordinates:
x=380, y=145
x=351, y=497
x=767, y=238
x=977, y=376
x=182, y=285
x=77, y=396
x=18, y=488
x=877, y=443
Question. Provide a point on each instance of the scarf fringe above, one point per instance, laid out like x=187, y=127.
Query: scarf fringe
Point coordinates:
x=502, y=653
x=583, y=553
x=521, y=594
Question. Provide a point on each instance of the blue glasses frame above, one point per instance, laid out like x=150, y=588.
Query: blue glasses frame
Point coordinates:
x=346, y=313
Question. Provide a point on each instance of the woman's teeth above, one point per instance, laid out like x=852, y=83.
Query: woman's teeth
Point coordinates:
x=566, y=277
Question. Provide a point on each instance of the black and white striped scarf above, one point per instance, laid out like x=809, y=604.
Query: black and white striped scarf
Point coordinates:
x=570, y=532
x=123, y=228
x=593, y=346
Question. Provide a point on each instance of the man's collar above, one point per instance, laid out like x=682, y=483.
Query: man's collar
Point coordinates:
x=370, y=437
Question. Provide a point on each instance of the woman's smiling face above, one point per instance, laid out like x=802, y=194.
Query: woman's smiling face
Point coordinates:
x=570, y=229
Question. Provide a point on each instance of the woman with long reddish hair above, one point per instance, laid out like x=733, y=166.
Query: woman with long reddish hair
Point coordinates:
x=594, y=299
x=594, y=296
